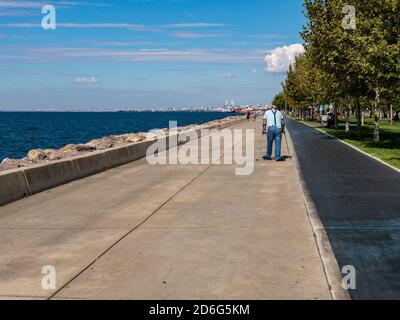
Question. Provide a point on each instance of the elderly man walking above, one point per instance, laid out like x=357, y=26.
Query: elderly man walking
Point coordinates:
x=273, y=119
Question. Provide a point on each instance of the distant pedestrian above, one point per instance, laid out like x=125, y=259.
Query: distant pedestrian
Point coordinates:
x=254, y=115
x=274, y=121
x=248, y=114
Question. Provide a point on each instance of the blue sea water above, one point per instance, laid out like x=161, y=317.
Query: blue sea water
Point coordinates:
x=23, y=131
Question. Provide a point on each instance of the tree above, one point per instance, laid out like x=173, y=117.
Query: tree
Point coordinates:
x=297, y=87
x=337, y=50
x=306, y=85
x=352, y=57
x=380, y=25
x=279, y=101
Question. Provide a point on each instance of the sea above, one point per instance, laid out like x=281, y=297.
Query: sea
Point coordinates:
x=23, y=131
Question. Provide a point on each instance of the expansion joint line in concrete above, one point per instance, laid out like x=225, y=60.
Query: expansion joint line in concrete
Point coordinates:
x=137, y=226
x=27, y=184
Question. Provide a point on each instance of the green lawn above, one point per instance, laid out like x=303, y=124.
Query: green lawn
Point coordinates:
x=389, y=148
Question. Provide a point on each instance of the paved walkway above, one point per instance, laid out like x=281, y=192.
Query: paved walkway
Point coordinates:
x=165, y=232
x=358, y=201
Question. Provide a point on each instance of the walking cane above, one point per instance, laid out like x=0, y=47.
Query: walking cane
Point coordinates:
x=287, y=144
x=259, y=148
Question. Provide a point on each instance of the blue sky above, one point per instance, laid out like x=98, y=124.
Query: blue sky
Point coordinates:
x=145, y=53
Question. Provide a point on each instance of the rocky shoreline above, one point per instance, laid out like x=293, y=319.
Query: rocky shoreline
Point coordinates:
x=39, y=156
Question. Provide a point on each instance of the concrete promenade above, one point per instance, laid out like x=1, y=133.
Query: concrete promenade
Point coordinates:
x=165, y=232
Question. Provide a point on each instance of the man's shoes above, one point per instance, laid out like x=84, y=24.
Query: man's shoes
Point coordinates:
x=280, y=159
x=266, y=158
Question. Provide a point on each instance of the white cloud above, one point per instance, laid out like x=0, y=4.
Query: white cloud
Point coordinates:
x=279, y=59
x=139, y=27
x=227, y=76
x=130, y=26
x=20, y=4
x=269, y=36
x=128, y=43
x=102, y=25
x=195, y=25
x=193, y=35
x=86, y=80
x=46, y=54
x=40, y=4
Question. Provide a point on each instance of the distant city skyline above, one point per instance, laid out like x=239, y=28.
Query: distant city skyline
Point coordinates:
x=109, y=55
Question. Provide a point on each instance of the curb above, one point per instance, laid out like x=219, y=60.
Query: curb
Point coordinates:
x=328, y=259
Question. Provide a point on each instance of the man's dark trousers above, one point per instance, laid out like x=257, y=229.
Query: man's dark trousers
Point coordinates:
x=274, y=136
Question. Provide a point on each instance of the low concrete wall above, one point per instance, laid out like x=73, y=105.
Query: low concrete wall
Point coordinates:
x=19, y=183
x=90, y=164
x=118, y=156
x=47, y=176
x=12, y=186
x=138, y=150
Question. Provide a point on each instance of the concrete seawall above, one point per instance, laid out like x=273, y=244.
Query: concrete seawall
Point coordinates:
x=19, y=183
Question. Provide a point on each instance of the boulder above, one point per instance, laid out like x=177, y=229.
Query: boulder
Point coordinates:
x=102, y=144
x=55, y=155
x=36, y=155
x=8, y=163
x=69, y=148
x=119, y=139
x=184, y=129
x=84, y=147
x=142, y=136
x=133, y=138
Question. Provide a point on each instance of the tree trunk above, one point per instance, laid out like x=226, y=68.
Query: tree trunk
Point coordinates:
x=391, y=114
x=358, y=114
x=376, y=138
x=335, y=115
x=347, y=114
x=378, y=115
